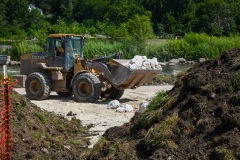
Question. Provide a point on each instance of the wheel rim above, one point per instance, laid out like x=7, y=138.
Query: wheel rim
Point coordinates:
x=83, y=89
x=34, y=86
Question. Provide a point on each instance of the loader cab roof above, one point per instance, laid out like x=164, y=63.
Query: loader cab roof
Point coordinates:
x=62, y=35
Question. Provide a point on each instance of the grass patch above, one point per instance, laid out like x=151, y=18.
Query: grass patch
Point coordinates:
x=97, y=147
x=112, y=149
x=41, y=117
x=39, y=136
x=157, y=103
x=94, y=48
x=161, y=134
x=236, y=81
x=75, y=141
x=224, y=154
x=163, y=79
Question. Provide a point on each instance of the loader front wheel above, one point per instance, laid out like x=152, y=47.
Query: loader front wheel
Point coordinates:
x=38, y=86
x=86, y=88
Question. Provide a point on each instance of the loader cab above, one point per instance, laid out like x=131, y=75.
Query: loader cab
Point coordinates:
x=62, y=49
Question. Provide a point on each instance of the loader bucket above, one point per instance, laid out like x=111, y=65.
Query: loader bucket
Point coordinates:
x=124, y=77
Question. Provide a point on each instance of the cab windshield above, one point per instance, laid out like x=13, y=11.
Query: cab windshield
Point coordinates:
x=73, y=47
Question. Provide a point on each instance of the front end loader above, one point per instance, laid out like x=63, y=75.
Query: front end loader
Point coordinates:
x=69, y=74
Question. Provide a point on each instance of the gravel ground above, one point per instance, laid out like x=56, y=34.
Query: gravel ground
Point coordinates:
x=96, y=114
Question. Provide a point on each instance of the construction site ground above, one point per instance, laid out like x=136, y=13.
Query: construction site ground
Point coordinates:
x=96, y=115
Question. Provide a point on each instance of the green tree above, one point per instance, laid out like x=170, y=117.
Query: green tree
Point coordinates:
x=234, y=6
x=17, y=17
x=3, y=19
x=214, y=18
x=119, y=11
x=90, y=11
x=138, y=28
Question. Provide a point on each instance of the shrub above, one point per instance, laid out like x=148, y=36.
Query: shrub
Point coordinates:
x=94, y=47
x=192, y=47
x=21, y=47
x=195, y=39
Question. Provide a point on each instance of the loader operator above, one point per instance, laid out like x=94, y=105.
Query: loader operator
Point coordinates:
x=60, y=50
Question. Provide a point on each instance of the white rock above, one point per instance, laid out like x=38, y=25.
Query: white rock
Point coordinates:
x=143, y=106
x=135, y=66
x=127, y=65
x=128, y=107
x=124, y=108
x=146, y=64
x=141, y=62
x=154, y=62
x=67, y=147
x=159, y=67
x=120, y=110
x=137, y=60
x=174, y=61
x=113, y=104
x=45, y=150
x=202, y=59
x=182, y=60
x=144, y=57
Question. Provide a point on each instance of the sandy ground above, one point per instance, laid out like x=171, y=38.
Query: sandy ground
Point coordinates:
x=97, y=114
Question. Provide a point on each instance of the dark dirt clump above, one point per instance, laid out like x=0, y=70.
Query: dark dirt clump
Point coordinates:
x=37, y=134
x=198, y=119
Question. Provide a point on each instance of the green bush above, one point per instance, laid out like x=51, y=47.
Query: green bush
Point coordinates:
x=95, y=47
x=21, y=47
x=195, y=39
x=192, y=47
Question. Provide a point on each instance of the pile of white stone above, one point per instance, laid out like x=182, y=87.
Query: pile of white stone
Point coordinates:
x=115, y=104
x=141, y=62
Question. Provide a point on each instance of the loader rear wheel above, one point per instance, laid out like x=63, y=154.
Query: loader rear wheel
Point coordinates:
x=38, y=86
x=113, y=93
x=86, y=88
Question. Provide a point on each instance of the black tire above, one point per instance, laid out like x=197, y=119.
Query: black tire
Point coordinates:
x=38, y=86
x=65, y=94
x=86, y=88
x=113, y=93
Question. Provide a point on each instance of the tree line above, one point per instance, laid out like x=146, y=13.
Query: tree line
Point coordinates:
x=115, y=18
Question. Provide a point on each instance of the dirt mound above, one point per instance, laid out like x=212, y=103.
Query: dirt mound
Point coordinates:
x=38, y=134
x=198, y=119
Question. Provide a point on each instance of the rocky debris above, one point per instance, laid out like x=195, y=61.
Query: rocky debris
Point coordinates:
x=202, y=60
x=115, y=104
x=141, y=62
x=124, y=108
x=177, y=61
x=70, y=113
x=173, y=62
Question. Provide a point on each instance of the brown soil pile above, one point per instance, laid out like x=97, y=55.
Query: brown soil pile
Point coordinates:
x=198, y=119
x=37, y=134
